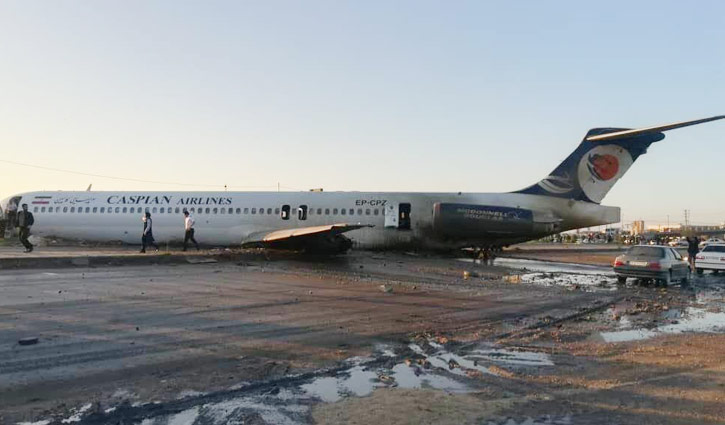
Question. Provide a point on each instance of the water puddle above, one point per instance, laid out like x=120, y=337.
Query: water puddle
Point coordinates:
x=427, y=364
x=549, y=273
x=582, y=281
x=552, y=266
x=693, y=320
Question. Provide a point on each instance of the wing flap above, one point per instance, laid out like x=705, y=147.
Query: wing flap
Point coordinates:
x=300, y=235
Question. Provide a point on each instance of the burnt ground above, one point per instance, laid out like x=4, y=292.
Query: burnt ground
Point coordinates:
x=365, y=338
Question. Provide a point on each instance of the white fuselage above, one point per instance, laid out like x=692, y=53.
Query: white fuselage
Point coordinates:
x=227, y=218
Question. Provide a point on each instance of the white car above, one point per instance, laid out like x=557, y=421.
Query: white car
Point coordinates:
x=679, y=243
x=712, y=257
x=703, y=244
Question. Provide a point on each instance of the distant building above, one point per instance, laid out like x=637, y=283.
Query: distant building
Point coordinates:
x=638, y=227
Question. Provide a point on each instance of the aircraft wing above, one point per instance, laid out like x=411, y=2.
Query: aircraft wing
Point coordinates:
x=325, y=238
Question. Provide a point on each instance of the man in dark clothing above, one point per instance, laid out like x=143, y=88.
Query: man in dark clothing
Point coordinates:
x=24, y=220
x=693, y=247
x=147, y=238
x=189, y=230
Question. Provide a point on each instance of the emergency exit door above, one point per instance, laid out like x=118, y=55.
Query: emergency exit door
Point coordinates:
x=404, y=216
x=398, y=216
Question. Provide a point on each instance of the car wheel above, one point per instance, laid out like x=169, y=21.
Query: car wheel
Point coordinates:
x=699, y=271
x=621, y=280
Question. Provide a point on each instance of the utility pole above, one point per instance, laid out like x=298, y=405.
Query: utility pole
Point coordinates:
x=687, y=217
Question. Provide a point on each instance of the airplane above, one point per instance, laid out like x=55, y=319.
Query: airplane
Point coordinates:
x=332, y=222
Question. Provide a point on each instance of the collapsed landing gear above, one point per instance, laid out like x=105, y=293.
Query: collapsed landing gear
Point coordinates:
x=485, y=255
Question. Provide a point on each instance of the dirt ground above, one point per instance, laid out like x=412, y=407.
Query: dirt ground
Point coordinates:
x=249, y=339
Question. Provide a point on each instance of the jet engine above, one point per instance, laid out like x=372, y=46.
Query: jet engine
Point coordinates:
x=472, y=222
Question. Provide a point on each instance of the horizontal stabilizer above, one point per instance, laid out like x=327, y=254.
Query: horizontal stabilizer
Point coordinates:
x=641, y=131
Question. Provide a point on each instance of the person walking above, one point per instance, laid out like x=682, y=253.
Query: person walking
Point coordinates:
x=147, y=238
x=24, y=221
x=189, y=230
x=693, y=247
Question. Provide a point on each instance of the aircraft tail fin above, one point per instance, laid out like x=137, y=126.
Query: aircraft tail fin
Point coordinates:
x=600, y=160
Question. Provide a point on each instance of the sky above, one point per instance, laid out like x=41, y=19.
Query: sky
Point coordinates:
x=440, y=96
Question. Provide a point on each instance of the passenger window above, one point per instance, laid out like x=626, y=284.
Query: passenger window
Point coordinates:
x=146, y=209
x=343, y=211
x=359, y=211
x=230, y=210
x=261, y=210
x=207, y=211
x=117, y=210
x=276, y=211
x=367, y=211
x=42, y=209
x=154, y=210
x=254, y=210
x=319, y=211
x=65, y=209
x=72, y=209
x=88, y=209
x=334, y=211
x=302, y=212
x=161, y=210
x=176, y=210
x=239, y=210
x=269, y=211
x=124, y=209
x=246, y=211
x=221, y=210
x=352, y=211
x=375, y=211
x=103, y=209
x=95, y=209
x=327, y=211
x=285, y=212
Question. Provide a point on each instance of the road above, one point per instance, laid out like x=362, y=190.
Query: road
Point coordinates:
x=180, y=342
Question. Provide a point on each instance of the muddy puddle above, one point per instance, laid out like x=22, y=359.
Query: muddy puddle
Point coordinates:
x=548, y=273
x=419, y=365
x=553, y=266
x=691, y=319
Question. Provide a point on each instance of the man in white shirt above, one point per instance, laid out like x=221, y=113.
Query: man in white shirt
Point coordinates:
x=189, y=230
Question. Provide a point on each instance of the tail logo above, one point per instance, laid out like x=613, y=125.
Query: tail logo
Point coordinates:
x=600, y=168
x=603, y=166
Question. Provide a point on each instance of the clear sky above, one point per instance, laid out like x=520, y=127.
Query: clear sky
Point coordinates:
x=367, y=95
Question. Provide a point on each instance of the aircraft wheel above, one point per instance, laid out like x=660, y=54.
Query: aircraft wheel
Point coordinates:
x=621, y=280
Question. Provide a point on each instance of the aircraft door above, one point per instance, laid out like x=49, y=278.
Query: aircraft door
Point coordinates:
x=391, y=216
x=404, y=216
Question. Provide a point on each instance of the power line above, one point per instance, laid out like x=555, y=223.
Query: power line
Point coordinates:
x=218, y=186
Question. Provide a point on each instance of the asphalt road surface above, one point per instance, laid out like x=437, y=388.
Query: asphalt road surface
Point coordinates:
x=169, y=342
